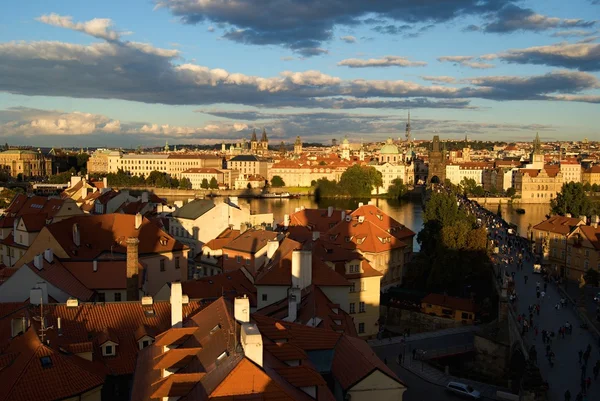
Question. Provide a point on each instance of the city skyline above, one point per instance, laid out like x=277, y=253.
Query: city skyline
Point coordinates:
x=112, y=74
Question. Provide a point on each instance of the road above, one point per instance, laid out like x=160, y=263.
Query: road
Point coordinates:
x=566, y=373
x=419, y=389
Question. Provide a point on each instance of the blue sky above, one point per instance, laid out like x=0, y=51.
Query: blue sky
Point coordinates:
x=123, y=73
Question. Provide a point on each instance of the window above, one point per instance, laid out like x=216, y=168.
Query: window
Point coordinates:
x=361, y=307
x=264, y=297
x=361, y=328
x=162, y=265
x=46, y=361
x=247, y=261
x=446, y=311
x=177, y=262
x=117, y=297
x=108, y=350
x=586, y=264
x=145, y=343
x=101, y=297
x=465, y=315
x=587, y=253
x=238, y=259
x=352, y=287
x=352, y=307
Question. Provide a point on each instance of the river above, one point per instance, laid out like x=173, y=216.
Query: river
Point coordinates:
x=407, y=212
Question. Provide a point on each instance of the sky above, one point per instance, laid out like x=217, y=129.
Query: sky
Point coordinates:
x=116, y=73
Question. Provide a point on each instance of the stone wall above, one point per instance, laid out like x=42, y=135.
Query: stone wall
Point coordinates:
x=491, y=357
x=417, y=322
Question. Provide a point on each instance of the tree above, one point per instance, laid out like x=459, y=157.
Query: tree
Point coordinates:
x=277, y=181
x=158, y=179
x=19, y=177
x=313, y=183
x=204, y=184
x=510, y=192
x=185, y=183
x=596, y=188
x=213, y=184
x=82, y=159
x=359, y=182
x=572, y=199
x=587, y=187
x=397, y=190
x=249, y=186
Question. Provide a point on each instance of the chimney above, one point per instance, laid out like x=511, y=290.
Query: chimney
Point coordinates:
x=59, y=326
x=243, y=228
x=272, y=246
x=316, y=235
x=132, y=269
x=286, y=221
x=49, y=255
x=241, y=309
x=233, y=200
x=37, y=295
x=294, y=297
x=38, y=261
x=252, y=343
x=105, y=182
x=343, y=215
x=15, y=224
x=176, y=305
x=583, y=219
x=594, y=221
x=95, y=265
x=138, y=220
x=568, y=215
x=84, y=192
x=360, y=204
x=330, y=211
x=144, y=197
x=301, y=269
x=76, y=235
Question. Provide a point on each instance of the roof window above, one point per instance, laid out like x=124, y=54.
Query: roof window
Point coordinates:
x=215, y=329
x=46, y=361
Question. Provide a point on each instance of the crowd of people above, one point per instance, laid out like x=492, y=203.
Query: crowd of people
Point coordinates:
x=511, y=254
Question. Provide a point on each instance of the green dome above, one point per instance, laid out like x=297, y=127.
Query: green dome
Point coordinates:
x=389, y=148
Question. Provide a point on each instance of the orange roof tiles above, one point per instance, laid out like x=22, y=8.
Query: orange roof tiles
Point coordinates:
x=251, y=241
x=316, y=219
x=286, y=351
x=384, y=221
x=592, y=234
x=37, y=372
x=301, y=376
x=108, y=233
x=231, y=284
x=222, y=239
x=176, y=385
x=558, y=224
x=57, y=275
x=110, y=274
x=176, y=358
x=446, y=301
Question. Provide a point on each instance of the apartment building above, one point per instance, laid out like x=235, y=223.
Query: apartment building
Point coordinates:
x=538, y=186
x=173, y=164
x=28, y=163
x=224, y=178
x=98, y=161
x=583, y=249
x=471, y=170
x=571, y=170
x=591, y=175
x=249, y=165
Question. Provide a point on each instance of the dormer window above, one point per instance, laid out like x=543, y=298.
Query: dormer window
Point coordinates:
x=109, y=348
x=145, y=341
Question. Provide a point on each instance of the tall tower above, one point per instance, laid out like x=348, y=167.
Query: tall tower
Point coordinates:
x=282, y=148
x=437, y=162
x=167, y=146
x=537, y=156
x=264, y=141
x=298, y=146
x=346, y=149
x=253, y=142
x=408, y=128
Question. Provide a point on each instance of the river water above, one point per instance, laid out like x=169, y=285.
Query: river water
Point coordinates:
x=407, y=212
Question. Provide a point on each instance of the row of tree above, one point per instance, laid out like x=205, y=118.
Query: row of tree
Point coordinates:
x=358, y=182
x=574, y=200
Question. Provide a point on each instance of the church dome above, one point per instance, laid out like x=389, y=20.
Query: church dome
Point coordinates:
x=389, y=148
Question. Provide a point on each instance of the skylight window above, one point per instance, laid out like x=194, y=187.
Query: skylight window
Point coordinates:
x=215, y=329
x=46, y=361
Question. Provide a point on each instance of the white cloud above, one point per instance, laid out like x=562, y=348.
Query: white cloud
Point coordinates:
x=386, y=61
x=97, y=27
x=466, y=61
x=348, y=39
x=441, y=78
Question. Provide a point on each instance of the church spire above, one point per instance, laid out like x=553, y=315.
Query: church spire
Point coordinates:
x=408, y=128
x=253, y=139
x=537, y=143
x=264, y=136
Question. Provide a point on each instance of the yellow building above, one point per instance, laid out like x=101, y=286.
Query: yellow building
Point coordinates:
x=459, y=309
x=538, y=186
x=550, y=242
x=173, y=164
x=591, y=175
x=25, y=162
x=583, y=250
x=98, y=162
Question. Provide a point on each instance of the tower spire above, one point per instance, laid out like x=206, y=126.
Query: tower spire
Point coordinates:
x=408, y=128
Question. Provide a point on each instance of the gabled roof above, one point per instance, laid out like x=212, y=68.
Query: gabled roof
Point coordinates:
x=56, y=274
x=251, y=241
x=109, y=275
x=316, y=219
x=384, y=221
x=592, y=234
x=222, y=239
x=107, y=233
x=34, y=371
x=365, y=236
x=229, y=285
x=245, y=158
x=193, y=210
x=558, y=224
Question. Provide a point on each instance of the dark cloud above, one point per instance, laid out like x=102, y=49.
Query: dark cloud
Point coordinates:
x=582, y=56
x=299, y=24
x=513, y=18
x=392, y=29
x=472, y=28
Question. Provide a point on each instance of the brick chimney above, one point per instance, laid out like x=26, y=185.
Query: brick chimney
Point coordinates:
x=132, y=269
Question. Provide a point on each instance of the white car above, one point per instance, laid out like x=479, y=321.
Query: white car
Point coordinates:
x=463, y=390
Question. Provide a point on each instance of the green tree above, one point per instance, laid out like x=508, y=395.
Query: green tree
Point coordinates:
x=572, y=199
x=359, y=181
x=185, y=183
x=213, y=184
x=158, y=179
x=277, y=181
x=596, y=188
x=82, y=159
x=204, y=184
x=313, y=183
x=397, y=190
x=19, y=177
x=249, y=186
x=510, y=192
x=175, y=183
x=62, y=178
x=587, y=187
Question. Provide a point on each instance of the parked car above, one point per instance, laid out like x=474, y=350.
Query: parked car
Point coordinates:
x=597, y=297
x=463, y=390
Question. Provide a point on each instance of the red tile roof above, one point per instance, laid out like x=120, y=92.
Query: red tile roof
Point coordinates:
x=57, y=275
x=592, y=234
x=222, y=239
x=316, y=219
x=110, y=274
x=558, y=224
x=230, y=285
x=384, y=221
x=38, y=372
x=108, y=232
x=251, y=241
x=462, y=304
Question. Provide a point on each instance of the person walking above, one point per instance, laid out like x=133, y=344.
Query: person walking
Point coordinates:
x=567, y=395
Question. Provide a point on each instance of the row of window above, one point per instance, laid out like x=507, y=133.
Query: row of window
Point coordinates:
x=361, y=307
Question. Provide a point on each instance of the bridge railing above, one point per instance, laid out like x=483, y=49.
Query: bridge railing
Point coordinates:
x=443, y=352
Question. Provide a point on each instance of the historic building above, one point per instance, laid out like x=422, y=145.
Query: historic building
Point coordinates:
x=591, y=175
x=261, y=147
x=28, y=163
x=98, y=162
x=298, y=146
x=437, y=162
x=171, y=164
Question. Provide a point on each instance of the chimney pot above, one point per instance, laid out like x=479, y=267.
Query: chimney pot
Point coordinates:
x=241, y=309
x=38, y=261
x=301, y=269
x=138, y=221
x=272, y=246
x=176, y=305
x=132, y=263
x=316, y=235
x=49, y=255
x=360, y=204
x=330, y=211
x=95, y=264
